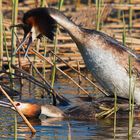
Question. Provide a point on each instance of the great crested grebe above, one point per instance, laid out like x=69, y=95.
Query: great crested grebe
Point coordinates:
x=32, y=110
x=85, y=111
x=106, y=58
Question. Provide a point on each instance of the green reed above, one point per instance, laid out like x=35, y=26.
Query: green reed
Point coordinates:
x=1, y=35
x=15, y=128
x=130, y=100
x=14, y=21
x=42, y=3
x=132, y=83
x=60, y=4
x=124, y=31
x=131, y=87
x=115, y=113
x=8, y=58
x=54, y=60
x=99, y=4
x=44, y=44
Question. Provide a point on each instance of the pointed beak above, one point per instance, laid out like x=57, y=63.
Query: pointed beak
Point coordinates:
x=27, y=37
x=28, y=45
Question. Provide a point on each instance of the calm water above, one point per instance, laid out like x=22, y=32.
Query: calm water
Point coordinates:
x=60, y=129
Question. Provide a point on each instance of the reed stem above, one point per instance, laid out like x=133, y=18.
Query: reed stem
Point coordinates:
x=54, y=61
x=119, y=11
x=1, y=35
x=79, y=73
x=15, y=128
x=43, y=3
x=115, y=114
x=60, y=4
x=42, y=57
x=130, y=100
x=55, y=49
x=124, y=31
x=98, y=15
x=8, y=59
x=20, y=113
x=14, y=21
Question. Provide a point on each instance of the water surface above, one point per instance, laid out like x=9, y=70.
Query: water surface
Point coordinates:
x=62, y=129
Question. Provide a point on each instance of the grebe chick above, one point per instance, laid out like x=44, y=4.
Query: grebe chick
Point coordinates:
x=106, y=58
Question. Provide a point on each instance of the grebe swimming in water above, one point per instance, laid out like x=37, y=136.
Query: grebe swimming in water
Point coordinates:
x=34, y=110
x=84, y=111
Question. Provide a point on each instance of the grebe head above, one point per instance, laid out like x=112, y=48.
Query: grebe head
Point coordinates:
x=28, y=109
x=31, y=110
x=35, y=24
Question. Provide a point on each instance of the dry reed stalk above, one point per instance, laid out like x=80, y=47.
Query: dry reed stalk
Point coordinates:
x=126, y=6
x=19, y=112
x=45, y=86
x=55, y=94
x=78, y=69
x=85, y=77
x=42, y=57
x=108, y=27
x=120, y=25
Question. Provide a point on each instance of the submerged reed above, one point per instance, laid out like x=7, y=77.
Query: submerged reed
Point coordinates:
x=69, y=132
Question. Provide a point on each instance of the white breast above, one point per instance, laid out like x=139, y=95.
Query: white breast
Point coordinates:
x=107, y=71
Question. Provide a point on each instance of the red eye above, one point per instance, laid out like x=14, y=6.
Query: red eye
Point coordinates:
x=17, y=104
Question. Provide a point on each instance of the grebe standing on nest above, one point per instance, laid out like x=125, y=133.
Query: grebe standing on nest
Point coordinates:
x=106, y=58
